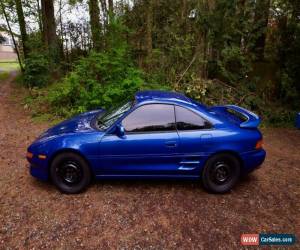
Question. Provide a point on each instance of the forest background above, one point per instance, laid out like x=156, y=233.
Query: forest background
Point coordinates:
x=78, y=55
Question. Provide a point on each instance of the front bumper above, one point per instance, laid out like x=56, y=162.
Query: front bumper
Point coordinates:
x=252, y=160
x=38, y=168
x=39, y=173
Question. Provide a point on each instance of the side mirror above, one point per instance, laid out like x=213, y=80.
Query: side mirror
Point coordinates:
x=120, y=131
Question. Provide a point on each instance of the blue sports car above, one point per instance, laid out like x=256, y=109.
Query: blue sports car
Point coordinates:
x=156, y=135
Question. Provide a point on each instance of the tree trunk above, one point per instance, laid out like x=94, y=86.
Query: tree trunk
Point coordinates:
x=149, y=24
x=61, y=30
x=111, y=7
x=240, y=14
x=105, y=13
x=22, y=26
x=49, y=31
x=261, y=20
x=94, y=11
x=39, y=15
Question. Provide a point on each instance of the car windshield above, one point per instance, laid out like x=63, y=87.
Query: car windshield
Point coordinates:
x=104, y=121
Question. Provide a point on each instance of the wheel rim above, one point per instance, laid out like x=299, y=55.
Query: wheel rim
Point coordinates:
x=70, y=173
x=221, y=173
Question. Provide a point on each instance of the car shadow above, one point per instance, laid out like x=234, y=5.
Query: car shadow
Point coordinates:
x=148, y=184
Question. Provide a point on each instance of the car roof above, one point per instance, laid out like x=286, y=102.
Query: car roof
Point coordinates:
x=149, y=95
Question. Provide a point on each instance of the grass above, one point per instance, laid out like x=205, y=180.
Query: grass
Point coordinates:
x=9, y=66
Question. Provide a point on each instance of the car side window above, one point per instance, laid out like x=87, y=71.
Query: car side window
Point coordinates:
x=150, y=118
x=188, y=120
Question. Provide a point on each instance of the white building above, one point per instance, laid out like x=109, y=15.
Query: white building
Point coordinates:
x=7, y=49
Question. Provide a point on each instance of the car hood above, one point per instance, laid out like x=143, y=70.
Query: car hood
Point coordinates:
x=79, y=123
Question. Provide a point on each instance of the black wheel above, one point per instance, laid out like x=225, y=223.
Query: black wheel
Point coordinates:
x=70, y=173
x=221, y=172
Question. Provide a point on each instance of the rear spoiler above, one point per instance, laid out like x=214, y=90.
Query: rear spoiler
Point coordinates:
x=246, y=118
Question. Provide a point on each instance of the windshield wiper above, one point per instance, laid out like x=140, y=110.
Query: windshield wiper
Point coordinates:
x=110, y=118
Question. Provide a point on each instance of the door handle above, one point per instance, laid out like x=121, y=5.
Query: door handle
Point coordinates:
x=171, y=144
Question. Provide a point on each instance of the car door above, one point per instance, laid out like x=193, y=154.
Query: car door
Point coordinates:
x=195, y=135
x=148, y=147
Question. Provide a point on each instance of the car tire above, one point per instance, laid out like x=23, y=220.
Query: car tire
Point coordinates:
x=70, y=173
x=221, y=172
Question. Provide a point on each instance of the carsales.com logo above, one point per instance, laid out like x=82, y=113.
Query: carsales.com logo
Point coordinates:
x=267, y=239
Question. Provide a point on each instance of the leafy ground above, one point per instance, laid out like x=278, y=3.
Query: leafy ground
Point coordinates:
x=148, y=215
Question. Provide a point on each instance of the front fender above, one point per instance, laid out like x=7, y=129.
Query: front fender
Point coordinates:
x=86, y=144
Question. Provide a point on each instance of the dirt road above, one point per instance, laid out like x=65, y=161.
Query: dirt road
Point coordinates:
x=140, y=215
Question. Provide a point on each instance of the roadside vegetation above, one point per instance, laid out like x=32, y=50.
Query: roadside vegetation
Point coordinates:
x=239, y=52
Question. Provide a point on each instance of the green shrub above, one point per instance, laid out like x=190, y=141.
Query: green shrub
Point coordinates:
x=289, y=93
x=100, y=80
x=279, y=117
x=233, y=65
x=36, y=72
x=78, y=93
